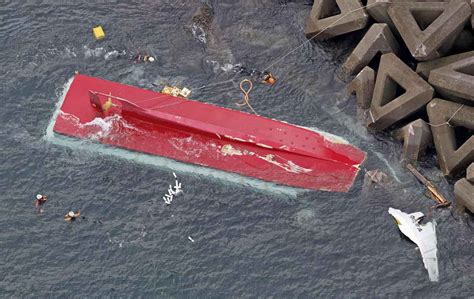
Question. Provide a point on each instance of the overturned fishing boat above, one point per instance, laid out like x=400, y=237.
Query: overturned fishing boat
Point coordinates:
x=203, y=134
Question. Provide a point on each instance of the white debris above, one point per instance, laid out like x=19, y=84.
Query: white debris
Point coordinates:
x=190, y=239
x=173, y=190
x=185, y=92
x=423, y=235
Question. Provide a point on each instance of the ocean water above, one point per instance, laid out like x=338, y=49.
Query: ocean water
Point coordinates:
x=248, y=242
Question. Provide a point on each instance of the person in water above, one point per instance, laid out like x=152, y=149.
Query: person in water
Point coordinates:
x=71, y=216
x=264, y=77
x=143, y=58
x=40, y=199
x=268, y=78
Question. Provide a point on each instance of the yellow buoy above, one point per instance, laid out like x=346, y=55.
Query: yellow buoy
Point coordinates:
x=98, y=32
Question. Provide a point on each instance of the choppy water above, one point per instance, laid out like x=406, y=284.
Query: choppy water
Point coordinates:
x=248, y=243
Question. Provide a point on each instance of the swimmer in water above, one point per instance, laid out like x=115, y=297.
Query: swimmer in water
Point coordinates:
x=264, y=77
x=40, y=199
x=143, y=58
x=268, y=78
x=71, y=216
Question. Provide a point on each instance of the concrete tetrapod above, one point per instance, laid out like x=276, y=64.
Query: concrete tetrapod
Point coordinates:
x=424, y=68
x=464, y=192
x=416, y=138
x=470, y=173
x=363, y=87
x=472, y=14
x=379, y=39
x=377, y=9
x=387, y=107
x=451, y=158
x=322, y=18
x=455, y=81
x=429, y=29
x=464, y=41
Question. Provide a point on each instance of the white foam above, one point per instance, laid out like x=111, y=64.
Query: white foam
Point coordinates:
x=199, y=33
x=113, y=54
x=97, y=52
x=228, y=67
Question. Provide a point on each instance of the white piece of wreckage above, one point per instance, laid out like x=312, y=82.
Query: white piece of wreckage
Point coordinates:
x=172, y=191
x=423, y=235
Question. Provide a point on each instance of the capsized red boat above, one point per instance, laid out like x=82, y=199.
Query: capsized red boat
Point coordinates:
x=207, y=135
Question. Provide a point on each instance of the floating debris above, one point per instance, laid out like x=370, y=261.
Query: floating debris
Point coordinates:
x=173, y=190
x=176, y=91
x=98, y=32
x=434, y=193
x=423, y=235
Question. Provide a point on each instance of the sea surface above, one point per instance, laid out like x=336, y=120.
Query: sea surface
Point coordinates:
x=248, y=242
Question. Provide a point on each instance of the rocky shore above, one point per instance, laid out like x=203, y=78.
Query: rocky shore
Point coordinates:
x=414, y=75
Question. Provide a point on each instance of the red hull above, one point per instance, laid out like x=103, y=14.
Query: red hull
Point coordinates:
x=207, y=135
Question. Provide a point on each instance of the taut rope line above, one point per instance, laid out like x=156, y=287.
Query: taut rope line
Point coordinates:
x=447, y=122
x=317, y=34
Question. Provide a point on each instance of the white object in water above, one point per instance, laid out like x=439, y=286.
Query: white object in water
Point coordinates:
x=191, y=239
x=172, y=191
x=423, y=235
x=185, y=92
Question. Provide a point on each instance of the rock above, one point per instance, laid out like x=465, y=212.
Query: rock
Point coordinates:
x=464, y=192
x=429, y=29
x=325, y=20
x=387, y=106
x=379, y=39
x=455, y=81
x=470, y=173
x=363, y=87
x=451, y=158
x=416, y=138
x=424, y=68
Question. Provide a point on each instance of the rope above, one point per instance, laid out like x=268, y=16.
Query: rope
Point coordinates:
x=288, y=53
x=246, y=94
x=212, y=84
x=320, y=32
x=447, y=122
x=302, y=44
